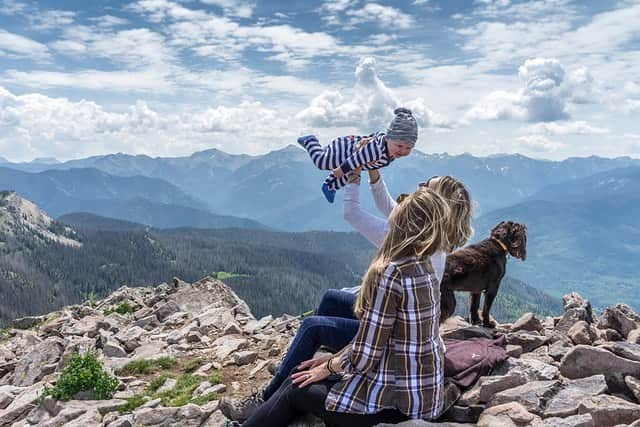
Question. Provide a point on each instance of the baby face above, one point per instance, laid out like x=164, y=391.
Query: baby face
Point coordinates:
x=398, y=148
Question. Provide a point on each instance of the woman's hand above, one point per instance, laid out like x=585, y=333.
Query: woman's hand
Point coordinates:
x=374, y=176
x=354, y=176
x=312, y=363
x=337, y=172
x=310, y=376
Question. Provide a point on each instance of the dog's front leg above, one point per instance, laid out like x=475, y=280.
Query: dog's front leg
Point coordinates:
x=474, y=305
x=486, y=310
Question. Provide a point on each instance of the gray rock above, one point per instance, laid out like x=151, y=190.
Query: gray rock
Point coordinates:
x=610, y=335
x=464, y=414
x=532, y=395
x=634, y=386
x=627, y=350
x=228, y=344
x=582, y=333
x=633, y=337
x=585, y=361
x=168, y=385
x=507, y=415
x=245, y=357
x=527, y=322
x=567, y=400
x=194, y=337
x=619, y=317
x=28, y=322
x=558, y=349
x=527, y=340
x=165, y=310
x=5, y=399
x=533, y=370
x=584, y=420
x=147, y=323
x=490, y=386
x=130, y=338
x=21, y=405
x=39, y=362
x=570, y=317
x=121, y=422
x=468, y=332
x=89, y=326
x=574, y=300
x=609, y=410
x=175, y=337
x=514, y=350
x=111, y=349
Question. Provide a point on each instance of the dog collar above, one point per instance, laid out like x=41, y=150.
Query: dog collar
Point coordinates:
x=502, y=245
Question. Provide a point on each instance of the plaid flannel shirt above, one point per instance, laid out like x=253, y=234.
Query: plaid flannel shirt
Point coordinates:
x=396, y=360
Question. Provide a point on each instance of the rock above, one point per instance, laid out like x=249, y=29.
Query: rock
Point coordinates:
x=130, y=337
x=570, y=317
x=532, y=395
x=168, y=385
x=21, y=405
x=150, y=350
x=39, y=362
x=558, y=349
x=175, y=337
x=633, y=337
x=634, y=386
x=232, y=329
x=609, y=410
x=216, y=318
x=227, y=344
x=514, y=350
x=89, y=326
x=583, y=420
x=533, y=370
x=527, y=322
x=567, y=400
x=526, y=340
x=165, y=310
x=468, y=332
x=111, y=349
x=121, y=422
x=573, y=301
x=147, y=323
x=507, y=415
x=194, y=337
x=245, y=357
x=585, y=361
x=490, y=386
x=582, y=333
x=610, y=335
x=619, y=317
x=28, y=322
x=623, y=349
x=464, y=414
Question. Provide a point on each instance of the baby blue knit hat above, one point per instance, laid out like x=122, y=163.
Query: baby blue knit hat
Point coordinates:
x=403, y=127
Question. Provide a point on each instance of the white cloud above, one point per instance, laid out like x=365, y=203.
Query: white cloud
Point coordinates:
x=16, y=46
x=51, y=19
x=109, y=21
x=544, y=97
x=538, y=144
x=35, y=125
x=369, y=107
x=384, y=16
x=242, y=9
x=568, y=128
x=11, y=7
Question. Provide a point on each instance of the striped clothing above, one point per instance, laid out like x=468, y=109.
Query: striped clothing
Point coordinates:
x=396, y=360
x=342, y=152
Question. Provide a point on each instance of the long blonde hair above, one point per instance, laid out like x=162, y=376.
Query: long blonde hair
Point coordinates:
x=455, y=193
x=417, y=228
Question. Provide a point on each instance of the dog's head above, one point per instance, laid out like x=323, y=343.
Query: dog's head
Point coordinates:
x=514, y=236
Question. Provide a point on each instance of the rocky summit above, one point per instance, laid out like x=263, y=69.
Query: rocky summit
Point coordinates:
x=173, y=351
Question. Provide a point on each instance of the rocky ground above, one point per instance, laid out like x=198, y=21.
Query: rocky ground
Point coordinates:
x=201, y=339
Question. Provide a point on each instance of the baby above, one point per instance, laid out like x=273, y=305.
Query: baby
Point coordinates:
x=373, y=151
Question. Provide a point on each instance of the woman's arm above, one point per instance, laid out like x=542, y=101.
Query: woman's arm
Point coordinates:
x=381, y=196
x=376, y=326
x=373, y=228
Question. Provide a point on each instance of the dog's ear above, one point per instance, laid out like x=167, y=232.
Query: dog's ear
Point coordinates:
x=500, y=231
x=517, y=240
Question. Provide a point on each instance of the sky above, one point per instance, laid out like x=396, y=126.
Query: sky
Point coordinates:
x=547, y=79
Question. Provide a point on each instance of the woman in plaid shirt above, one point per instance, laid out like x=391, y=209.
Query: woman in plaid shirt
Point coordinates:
x=393, y=370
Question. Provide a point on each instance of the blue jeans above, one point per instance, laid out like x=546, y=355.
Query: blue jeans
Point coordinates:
x=337, y=303
x=315, y=331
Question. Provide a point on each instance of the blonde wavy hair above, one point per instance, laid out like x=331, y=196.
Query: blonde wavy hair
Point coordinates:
x=456, y=194
x=417, y=227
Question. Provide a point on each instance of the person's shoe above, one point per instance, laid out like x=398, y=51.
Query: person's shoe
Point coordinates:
x=241, y=409
x=304, y=140
x=329, y=194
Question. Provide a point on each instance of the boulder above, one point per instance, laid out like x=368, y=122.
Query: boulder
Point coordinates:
x=227, y=344
x=627, y=350
x=585, y=361
x=609, y=410
x=527, y=322
x=507, y=415
x=582, y=333
x=566, y=402
x=39, y=362
x=619, y=317
x=532, y=395
x=527, y=340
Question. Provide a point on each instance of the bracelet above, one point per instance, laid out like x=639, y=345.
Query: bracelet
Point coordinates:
x=329, y=368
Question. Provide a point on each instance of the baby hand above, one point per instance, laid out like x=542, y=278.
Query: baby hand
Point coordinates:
x=337, y=172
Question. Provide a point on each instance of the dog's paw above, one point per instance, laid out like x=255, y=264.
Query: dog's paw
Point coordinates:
x=489, y=324
x=475, y=321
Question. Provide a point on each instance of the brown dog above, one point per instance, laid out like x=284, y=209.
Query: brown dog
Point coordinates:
x=480, y=268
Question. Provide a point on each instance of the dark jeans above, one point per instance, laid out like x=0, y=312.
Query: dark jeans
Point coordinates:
x=337, y=303
x=333, y=332
x=290, y=401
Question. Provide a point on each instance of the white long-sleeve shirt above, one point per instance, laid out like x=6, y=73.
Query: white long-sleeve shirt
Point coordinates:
x=374, y=228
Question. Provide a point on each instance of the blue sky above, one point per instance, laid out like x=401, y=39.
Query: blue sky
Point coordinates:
x=548, y=79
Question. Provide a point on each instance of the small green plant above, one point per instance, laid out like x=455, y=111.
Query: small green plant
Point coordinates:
x=147, y=366
x=84, y=373
x=194, y=364
x=133, y=403
x=223, y=275
x=122, y=308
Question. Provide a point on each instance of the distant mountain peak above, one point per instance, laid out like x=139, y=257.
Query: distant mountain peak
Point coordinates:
x=20, y=216
x=46, y=160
